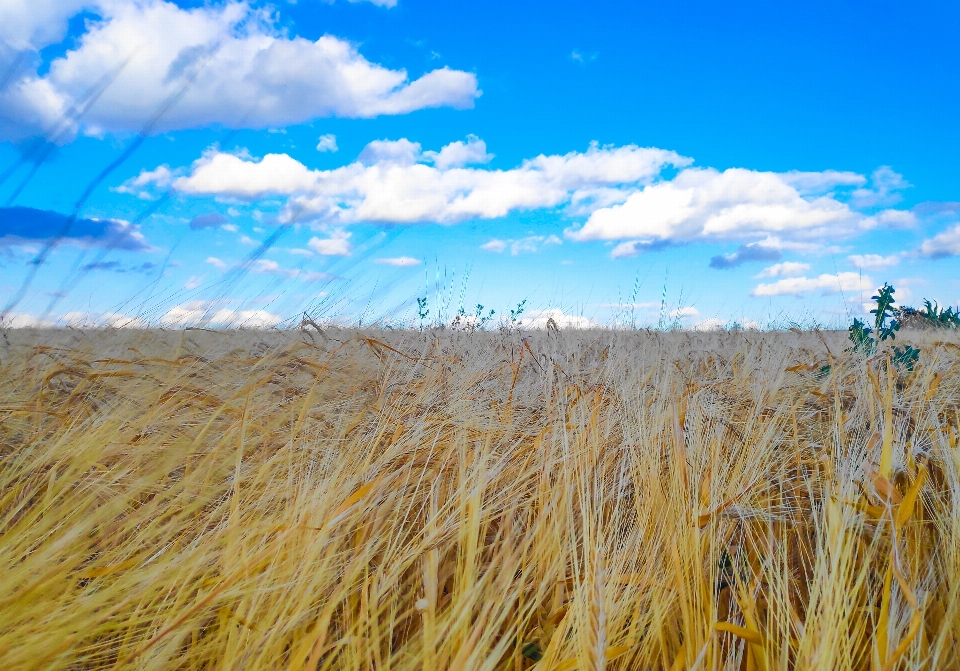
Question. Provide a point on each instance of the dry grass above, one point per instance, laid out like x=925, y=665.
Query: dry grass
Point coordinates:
x=396, y=500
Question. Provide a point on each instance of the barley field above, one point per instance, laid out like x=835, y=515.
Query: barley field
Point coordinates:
x=395, y=500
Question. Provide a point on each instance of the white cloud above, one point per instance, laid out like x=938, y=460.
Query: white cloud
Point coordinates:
x=873, y=261
x=268, y=267
x=785, y=269
x=619, y=189
x=194, y=312
x=886, y=183
x=943, y=244
x=399, y=262
x=232, y=176
x=216, y=263
x=388, y=183
x=821, y=182
x=526, y=245
x=102, y=320
x=826, y=284
x=194, y=282
x=538, y=319
x=583, y=58
x=22, y=320
x=533, y=243
x=706, y=204
x=711, y=324
x=236, y=67
x=903, y=293
x=891, y=219
x=160, y=177
x=626, y=249
x=587, y=200
x=327, y=142
x=401, y=152
x=494, y=245
x=458, y=154
x=27, y=25
x=338, y=244
x=681, y=313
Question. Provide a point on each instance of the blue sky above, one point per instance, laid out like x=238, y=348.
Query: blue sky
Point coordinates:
x=695, y=163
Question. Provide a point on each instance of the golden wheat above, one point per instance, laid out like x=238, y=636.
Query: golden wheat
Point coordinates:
x=399, y=500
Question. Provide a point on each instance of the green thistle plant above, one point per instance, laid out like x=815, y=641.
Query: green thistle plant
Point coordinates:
x=422, y=310
x=861, y=335
x=940, y=316
x=884, y=311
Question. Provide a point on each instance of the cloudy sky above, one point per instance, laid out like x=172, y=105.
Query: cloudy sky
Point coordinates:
x=698, y=163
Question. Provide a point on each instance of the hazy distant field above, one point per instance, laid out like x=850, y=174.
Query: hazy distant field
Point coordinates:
x=401, y=500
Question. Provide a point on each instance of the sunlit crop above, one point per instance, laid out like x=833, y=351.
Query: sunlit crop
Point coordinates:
x=377, y=500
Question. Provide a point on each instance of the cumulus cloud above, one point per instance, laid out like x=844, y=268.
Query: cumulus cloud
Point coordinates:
x=160, y=177
x=826, y=284
x=216, y=263
x=707, y=204
x=338, y=244
x=399, y=262
x=526, y=245
x=327, y=142
x=538, y=319
x=621, y=191
x=785, y=269
x=681, y=313
x=874, y=261
x=755, y=251
x=196, y=312
x=21, y=225
x=390, y=182
x=943, y=244
x=22, y=320
x=116, y=320
x=400, y=152
x=886, y=187
x=458, y=154
x=533, y=243
x=583, y=58
x=233, y=65
x=891, y=219
x=821, y=182
x=711, y=324
x=494, y=245
x=34, y=24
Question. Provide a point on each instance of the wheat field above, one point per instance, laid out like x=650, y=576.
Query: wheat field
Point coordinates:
x=396, y=499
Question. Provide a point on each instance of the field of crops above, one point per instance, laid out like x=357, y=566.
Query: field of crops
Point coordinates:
x=402, y=500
